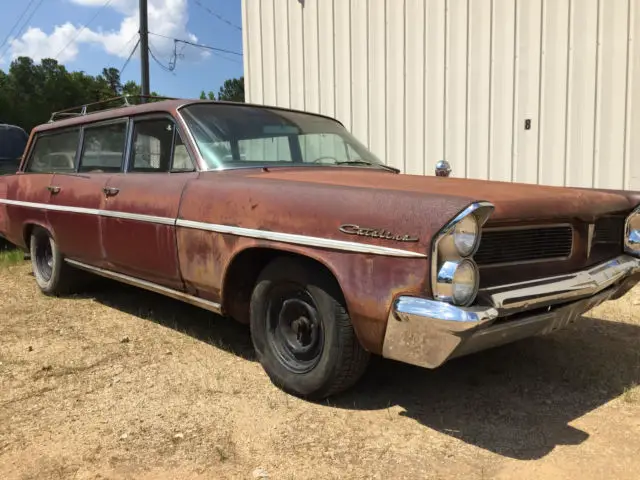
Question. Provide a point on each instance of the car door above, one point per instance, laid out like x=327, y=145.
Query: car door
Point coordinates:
x=138, y=222
x=77, y=198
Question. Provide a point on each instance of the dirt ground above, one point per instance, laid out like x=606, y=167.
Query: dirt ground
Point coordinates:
x=120, y=383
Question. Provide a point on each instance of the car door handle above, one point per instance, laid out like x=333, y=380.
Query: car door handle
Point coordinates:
x=110, y=191
x=53, y=189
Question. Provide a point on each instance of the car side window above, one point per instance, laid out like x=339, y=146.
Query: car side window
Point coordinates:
x=103, y=148
x=54, y=153
x=181, y=159
x=152, y=141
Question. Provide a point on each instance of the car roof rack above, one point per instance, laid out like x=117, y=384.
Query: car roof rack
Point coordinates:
x=108, y=104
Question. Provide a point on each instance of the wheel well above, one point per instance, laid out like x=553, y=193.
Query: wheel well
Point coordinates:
x=28, y=229
x=242, y=275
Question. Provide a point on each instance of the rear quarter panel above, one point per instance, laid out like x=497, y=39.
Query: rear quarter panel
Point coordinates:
x=26, y=188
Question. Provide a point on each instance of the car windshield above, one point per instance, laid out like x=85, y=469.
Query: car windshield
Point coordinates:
x=232, y=136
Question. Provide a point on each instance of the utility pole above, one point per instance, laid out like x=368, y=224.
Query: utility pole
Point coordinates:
x=144, y=48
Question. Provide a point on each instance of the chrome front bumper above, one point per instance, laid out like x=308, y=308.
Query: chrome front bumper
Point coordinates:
x=427, y=333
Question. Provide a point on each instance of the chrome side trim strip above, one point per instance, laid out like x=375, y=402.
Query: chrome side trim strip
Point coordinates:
x=136, y=282
x=299, y=239
x=226, y=229
x=92, y=211
x=46, y=206
x=137, y=216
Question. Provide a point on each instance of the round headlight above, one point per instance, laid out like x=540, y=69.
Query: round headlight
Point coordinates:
x=457, y=282
x=632, y=234
x=465, y=235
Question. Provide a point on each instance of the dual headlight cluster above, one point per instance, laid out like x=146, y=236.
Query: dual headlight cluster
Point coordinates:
x=455, y=276
x=632, y=233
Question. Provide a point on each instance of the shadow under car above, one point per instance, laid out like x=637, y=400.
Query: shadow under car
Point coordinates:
x=516, y=400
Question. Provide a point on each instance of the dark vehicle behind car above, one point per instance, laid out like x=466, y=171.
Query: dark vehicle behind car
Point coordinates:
x=13, y=140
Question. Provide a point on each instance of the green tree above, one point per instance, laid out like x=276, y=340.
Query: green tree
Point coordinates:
x=30, y=92
x=112, y=77
x=232, y=90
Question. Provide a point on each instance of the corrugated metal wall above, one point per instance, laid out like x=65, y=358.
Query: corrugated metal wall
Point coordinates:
x=422, y=80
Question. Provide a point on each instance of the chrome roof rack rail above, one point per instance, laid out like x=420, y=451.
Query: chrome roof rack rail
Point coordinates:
x=108, y=104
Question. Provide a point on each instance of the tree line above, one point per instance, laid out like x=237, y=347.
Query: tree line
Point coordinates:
x=30, y=92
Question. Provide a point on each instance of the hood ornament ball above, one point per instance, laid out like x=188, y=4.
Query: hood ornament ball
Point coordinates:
x=443, y=168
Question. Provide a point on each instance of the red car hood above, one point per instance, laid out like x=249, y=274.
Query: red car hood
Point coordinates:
x=513, y=201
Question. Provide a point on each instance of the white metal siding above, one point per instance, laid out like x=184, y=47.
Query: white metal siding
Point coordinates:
x=422, y=80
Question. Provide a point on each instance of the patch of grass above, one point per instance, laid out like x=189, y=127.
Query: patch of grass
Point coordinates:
x=631, y=394
x=11, y=257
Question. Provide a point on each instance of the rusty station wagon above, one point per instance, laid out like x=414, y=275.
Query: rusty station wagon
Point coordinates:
x=284, y=221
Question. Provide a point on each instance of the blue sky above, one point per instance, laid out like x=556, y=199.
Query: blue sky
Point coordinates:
x=109, y=39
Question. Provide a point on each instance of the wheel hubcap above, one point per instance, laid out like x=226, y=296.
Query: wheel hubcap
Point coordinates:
x=294, y=328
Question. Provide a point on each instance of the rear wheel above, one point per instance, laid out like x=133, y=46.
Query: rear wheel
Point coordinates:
x=52, y=274
x=302, y=332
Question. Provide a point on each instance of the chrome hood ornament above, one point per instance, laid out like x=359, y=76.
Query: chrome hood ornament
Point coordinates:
x=443, y=168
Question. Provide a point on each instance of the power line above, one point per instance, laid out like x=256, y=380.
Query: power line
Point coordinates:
x=135, y=47
x=171, y=66
x=232, y=60
x=218, y=16
x=199, y=45
x=106, y=4
x=24, y=25
x=126, y=45
x=16, y=23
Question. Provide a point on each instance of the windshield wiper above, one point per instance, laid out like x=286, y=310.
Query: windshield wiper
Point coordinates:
x=363, y=162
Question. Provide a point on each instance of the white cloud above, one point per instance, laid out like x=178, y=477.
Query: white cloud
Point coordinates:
x=166, y=17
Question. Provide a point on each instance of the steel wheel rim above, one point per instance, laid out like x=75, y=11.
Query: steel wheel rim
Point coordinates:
x=44, y=258
x=294, y=328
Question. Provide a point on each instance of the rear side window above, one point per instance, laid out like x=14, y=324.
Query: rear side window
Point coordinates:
x=103, y=148
x=54, y=153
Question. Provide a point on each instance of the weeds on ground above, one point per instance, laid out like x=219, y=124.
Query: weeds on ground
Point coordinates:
x=631, y=394
x=11, y=257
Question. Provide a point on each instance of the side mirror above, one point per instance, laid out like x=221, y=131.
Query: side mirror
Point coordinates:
x=443, y=169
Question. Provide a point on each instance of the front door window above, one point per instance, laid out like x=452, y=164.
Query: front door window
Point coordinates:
x=153, y=148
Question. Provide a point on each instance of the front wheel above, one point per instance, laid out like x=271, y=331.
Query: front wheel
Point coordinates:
x=302, y=332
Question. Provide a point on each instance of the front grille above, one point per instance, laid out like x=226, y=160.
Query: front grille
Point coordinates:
x=609, y=231
x=524, y=245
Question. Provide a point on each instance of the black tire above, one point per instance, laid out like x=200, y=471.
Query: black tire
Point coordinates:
x=53, y=276
x=301, y=330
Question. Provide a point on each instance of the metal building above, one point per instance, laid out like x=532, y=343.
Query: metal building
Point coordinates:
x=536, y=91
